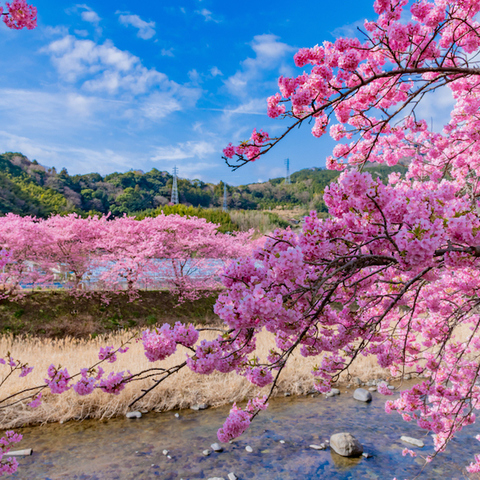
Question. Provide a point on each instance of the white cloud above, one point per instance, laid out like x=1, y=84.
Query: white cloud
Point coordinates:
x=81, y=33
x=88, y=15
x=108, y=68
x=215, y=71
x=159, y=105
x=194, y=76
x=146, y=30
x=269, y=54
x=190, y=149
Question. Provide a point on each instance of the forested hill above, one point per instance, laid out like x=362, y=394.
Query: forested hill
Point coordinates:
x=28, y=188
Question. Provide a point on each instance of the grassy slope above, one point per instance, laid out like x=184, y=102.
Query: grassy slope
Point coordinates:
x=57, y=314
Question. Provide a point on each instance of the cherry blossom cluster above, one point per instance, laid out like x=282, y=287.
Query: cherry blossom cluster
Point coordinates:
x=20, y=15
x=8, y=465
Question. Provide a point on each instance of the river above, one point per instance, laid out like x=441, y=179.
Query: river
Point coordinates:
x=133, y=448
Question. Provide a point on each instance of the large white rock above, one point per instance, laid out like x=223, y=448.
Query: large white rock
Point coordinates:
x=346, y=445
x=412, y=441
x=362, y=395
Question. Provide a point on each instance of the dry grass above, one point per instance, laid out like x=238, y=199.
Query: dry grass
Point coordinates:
x=179, y=391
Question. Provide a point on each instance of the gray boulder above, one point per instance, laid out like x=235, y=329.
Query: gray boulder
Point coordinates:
x=346, y=445
x=362, y=395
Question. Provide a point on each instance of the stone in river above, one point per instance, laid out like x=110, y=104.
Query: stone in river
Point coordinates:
x=216, y=447
x=249, y=449
x=318, y=447
x=412, y=441
x=133, y=415
x=346, y=445
x=206, y=453
x=362, y=395
x=199, y=406
x=232, y=476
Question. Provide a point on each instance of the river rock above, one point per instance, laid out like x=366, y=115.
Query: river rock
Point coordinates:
x=206, y=453
x=357, y=381
x=362, y=395
x=165, y=452
x=232, y=476
x=199, y=406
x=318, y=447
x=249, y=449
x=412, y=441
x=216, y=447
x=133, y=415
x=333, y=392
x=20, y=453
x=372, y=389
x=216, y=478
x=346, y=445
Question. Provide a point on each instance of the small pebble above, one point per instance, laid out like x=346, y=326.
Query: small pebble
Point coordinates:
x=282, y=441
x=391, y=387
x=206, y=453
x=372, y=389
x=177, y=415
x=165, y=452
x=232, y=476
x=318, y=447
x=249, y=449
x=366, y=455
x=216, y=447
x=168, y=456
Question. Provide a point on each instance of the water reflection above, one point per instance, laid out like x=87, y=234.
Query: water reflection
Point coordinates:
x=132, y=449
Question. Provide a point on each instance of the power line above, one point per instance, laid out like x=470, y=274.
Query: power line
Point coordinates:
x=174, y=187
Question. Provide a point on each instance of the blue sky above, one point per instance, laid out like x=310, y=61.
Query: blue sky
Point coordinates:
x=108, y=86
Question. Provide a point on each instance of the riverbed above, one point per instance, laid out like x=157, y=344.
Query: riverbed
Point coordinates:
x=124, y=449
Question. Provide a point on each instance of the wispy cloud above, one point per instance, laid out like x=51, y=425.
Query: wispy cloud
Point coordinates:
x=167, y=52
x=146, y=30
x=207, y=15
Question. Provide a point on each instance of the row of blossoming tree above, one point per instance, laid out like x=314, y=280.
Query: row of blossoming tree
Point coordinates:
x=393, y=272
x=183, y=254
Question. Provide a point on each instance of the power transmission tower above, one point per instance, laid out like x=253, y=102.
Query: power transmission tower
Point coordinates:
x=174, y=187
x=225, y=197
x=287, y=176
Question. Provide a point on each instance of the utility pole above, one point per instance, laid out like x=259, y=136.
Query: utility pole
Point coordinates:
x=174, y=187
x=287, y=176
x=225, y=197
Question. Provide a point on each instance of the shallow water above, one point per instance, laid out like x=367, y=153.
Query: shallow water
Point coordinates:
x=132, y=449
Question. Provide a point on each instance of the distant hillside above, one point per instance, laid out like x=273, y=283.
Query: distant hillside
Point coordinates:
x=28, y=188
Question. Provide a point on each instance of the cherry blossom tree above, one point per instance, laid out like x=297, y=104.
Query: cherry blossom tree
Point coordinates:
x=392, y=272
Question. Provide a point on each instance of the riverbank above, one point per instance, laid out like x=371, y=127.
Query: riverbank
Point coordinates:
x=56, y=314
x=180, y=391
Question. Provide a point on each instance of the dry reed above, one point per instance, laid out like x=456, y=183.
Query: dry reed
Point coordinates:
x=182, y=390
